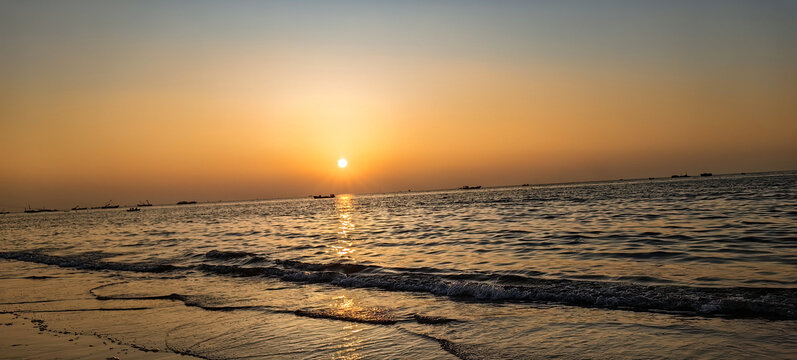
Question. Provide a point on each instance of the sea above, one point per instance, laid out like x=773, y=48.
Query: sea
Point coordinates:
x=697, y=268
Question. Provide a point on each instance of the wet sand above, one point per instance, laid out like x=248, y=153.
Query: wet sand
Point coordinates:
x=71, y=314
x=44, y=314
x=26, y=337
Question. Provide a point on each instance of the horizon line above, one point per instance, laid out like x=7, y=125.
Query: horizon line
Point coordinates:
x=578, y=182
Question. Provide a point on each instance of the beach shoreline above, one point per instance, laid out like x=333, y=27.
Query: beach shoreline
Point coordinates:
x=24, y=336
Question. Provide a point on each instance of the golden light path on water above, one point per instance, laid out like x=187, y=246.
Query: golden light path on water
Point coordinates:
x=346, y=307
x=341, y=305
x=351, y=337
x=344, y=209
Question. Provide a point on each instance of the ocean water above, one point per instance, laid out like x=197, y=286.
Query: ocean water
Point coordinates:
x=668, y=268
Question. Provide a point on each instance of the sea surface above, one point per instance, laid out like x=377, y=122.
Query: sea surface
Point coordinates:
x=701, y=267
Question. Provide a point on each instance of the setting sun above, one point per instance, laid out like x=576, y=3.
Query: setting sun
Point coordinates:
x=342, y=163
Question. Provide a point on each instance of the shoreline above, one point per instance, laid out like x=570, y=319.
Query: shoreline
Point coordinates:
x=26, y=337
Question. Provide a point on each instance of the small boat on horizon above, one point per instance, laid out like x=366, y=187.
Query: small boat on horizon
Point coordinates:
x=466, y=187
x=108, y=205
x=30, y=210
x=706, y=174
x=324, y=196
x=133, y=209
x=184, y=202
x=680, y=176
x=147, y=203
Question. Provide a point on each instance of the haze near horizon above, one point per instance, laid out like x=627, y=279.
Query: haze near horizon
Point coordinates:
x=241, y=100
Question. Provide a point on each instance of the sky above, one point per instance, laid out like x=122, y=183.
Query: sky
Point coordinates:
x=233, y=100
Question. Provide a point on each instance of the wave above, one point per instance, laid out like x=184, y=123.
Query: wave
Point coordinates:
x=434, y=320
x=743, y=302
x=80, y=310
x=86, y=261
x=372, y=315
x=219, y=254
x=466, y=351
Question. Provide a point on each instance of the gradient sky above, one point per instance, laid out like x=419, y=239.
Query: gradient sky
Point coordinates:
x=223, y=100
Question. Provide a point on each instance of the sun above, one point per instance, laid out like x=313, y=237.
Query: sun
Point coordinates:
x=342, y=163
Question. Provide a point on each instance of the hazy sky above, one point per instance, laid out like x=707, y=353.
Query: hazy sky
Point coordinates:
x=212, y=100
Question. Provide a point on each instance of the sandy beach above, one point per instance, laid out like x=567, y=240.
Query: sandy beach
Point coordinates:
x=48, y=314
x=26, y=337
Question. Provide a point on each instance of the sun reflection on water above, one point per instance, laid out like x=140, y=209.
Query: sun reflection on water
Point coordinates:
x=344, y=244
x=356, y=317
x=351, y=342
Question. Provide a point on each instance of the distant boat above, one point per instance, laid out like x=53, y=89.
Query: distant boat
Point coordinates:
x=651, y=178
x=29, y=210
x=133, y=209
x=706, y=174
x=184, y=202
x=324, y=196
x=3, y=212
x=145, y=204
x=525, y=185
x=680, y=176
x=107, y=205
x=466, y=187
x=77, y=207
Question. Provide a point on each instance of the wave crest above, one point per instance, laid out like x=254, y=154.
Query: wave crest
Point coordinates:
x=771, y=303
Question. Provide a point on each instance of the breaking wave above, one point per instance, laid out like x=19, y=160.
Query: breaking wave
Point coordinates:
x=771, y=303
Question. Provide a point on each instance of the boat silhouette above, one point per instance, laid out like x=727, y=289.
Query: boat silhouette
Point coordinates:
x=706, y=174
x=133, y=209
x=30, y=210
x=466, y=187
x=107, y=205
x=324, y=196
x=184, y=202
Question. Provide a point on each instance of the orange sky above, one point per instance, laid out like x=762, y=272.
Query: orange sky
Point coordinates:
x=211, y=101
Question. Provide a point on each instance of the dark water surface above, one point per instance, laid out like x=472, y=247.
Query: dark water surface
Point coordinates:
x=675, y=268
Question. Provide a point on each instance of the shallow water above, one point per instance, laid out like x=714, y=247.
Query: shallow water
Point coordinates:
x=670, y=268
